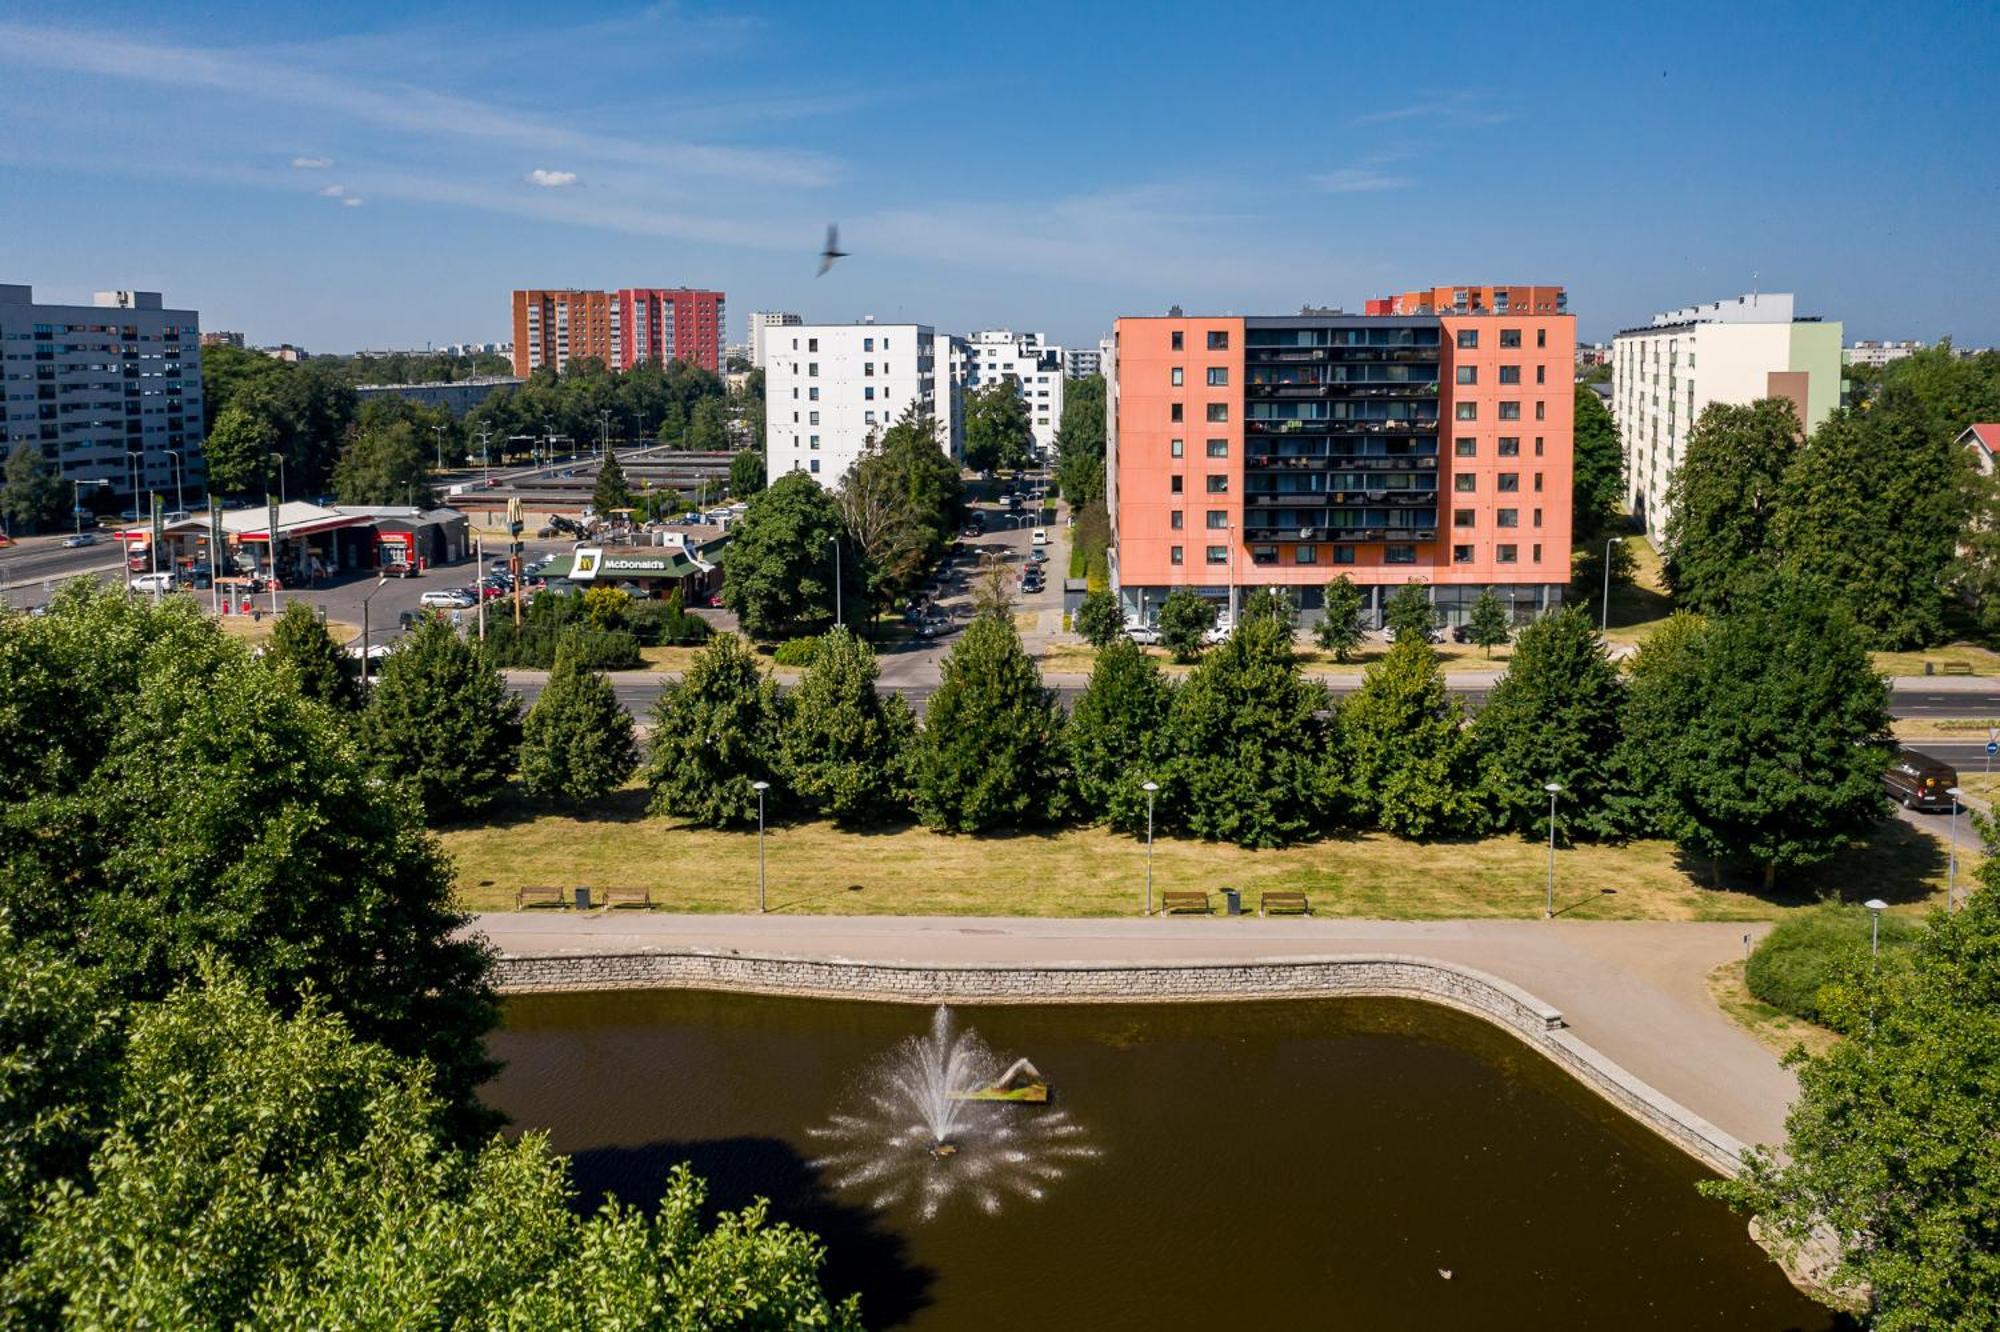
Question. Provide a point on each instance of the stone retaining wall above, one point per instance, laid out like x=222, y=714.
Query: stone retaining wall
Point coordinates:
x=1387, y=975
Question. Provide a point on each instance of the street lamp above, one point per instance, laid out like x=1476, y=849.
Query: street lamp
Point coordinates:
x=760, y=788
x=380, y=583
x=1149, y=788
x=834, y=541
x=76, y=501
x=1876, y=906
x=279, y=459
x=138, y=457
x=438, y=431
x=1951, y=874
x=1605, y=625
x=180, y=500
x=1549, y=901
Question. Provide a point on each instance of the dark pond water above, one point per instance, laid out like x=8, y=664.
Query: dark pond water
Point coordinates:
x=1267, y=1165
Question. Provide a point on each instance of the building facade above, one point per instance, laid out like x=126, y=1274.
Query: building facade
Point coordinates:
x=1473, y=299
x=1252, y=452
x=760, y=322
x=110, y=391
x=1878, y=354
x=1036, y=367
x=620, y=328
x=830, y=388
x=1083, y=362
x=1734, y=351
x=222, y=337
x=457, y=396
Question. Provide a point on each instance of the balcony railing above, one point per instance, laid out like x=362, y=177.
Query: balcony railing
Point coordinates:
x=1329, y=462
x=1422, y=426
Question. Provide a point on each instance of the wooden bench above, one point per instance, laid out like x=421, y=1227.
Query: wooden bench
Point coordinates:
x=1283, y=904
x=629, y=897
x=1170, y=903
x=527, y=897
x=1955, y=668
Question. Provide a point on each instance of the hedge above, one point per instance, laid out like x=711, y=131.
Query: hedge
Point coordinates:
x=1812, y=949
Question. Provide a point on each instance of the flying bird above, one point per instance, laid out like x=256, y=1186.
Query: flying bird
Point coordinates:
x=832, y=250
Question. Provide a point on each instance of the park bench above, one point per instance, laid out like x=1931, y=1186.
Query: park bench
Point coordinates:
x=1956, y=668
x=1170, y=903
x=527, y=897
x=630, y=897
x=1283, y=904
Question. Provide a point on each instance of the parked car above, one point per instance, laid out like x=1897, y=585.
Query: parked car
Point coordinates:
x=1039, y=556
x=154, y=582
x=399, y=569
x=1145, y=635
x=489, y=591
x=1040, y=537
x=1218, y=633
x=80, y=539
x=447, y=598
x=1918, y=781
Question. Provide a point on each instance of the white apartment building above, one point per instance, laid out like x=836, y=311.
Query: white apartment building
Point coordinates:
x=1082, y=363
x=760, y=322
x=1035, y=366
x=111, y=391
x=1734, y=351
x=1878, y=354
x=830, y=388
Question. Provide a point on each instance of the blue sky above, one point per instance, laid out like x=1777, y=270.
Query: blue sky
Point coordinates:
x=364, y=174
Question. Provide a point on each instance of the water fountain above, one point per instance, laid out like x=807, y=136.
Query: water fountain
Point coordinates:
x=941, y=1118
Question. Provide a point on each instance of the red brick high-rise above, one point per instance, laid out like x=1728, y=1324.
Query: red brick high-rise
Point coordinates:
x=621, y=328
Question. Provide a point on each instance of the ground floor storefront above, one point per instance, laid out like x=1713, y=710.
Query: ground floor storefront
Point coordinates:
x=1525, y=601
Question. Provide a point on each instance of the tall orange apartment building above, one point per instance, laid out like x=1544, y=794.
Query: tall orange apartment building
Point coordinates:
x=620, y=328
x=1282, y=451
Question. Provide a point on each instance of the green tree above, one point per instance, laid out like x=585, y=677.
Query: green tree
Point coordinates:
x=441, y=718
x=1894, y=1141
x=1339, y=629
x=997, y=432
x=900, y=503
x=746, y=473
x=238, y=449
x=1099, y=619
x=991, y=744
x=1184, y=617
x=845, y=746
x=708, y=427
x=673, y=426
x=1489, y=625
x=715, y=731
x=751, y=408
x=611, y=491
x=1553, y=717
x=263, y=1171
x=1117, y=736
x=387, y=465
x=1779, y=760
x=1254, y=757
x=1273, y=604
x=1410, y=614
x=576, y=741
x=1660, y=702
x=305, y=652
x=778, y=571
x=1410, y=756
x=1724, y=501
x=1598, y=469
x=34, y=496
x=1876, y=504
x=1080, y=440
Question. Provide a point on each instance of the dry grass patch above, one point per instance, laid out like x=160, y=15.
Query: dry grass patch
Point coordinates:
x=1983, y=661
x=1774, y=1029
x=256, y=631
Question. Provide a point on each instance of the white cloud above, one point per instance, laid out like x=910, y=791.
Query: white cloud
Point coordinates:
x=1358, y=180
x=351, y=202
x=1456, y=111
x=311, y=163
x=550, y=180
x=333, y=192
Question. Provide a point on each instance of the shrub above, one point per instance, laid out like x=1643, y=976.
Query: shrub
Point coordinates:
x=797, y=651
x=1810, y=950
x=657, y=623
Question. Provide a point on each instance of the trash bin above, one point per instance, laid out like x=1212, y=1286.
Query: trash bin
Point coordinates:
x=583, y=899
x=1232, y=902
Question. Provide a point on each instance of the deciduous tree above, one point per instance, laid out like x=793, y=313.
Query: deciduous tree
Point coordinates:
x=715, y=731
x=34, y=496
x=990, y=750
x=576, y=741
x=997, y=432
x=1184, y=617
x=1409, y=756
x=1489, y=625
x=1410, y=614
x=1080, y=441
x=1099, y=620
x=1598, y=468
x=1117, y=735
x=387, y=465
x=1553, y=717
x=1339, y=629
x=846, y=746
x=746, y=473
x=1724, y=500
x=238, y=449
x=778, y=570
x=441, y=718
x=305, y=652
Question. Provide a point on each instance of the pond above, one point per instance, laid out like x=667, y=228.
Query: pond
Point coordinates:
x=1327, y=1163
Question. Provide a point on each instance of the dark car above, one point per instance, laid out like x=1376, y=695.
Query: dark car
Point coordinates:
x=1918, y=781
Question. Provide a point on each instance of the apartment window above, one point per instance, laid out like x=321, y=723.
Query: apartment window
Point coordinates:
x=1467, y=374
x=1510, y=337
x=1218, y=554
x=812, y=369
x=1263, y=554
x=813, y=441
x=1218, y=376
x=1218, y=484
x=868, y=368
x=1465, y=483
x=1465, y=447
x=1343, y=554
x=868, y=393
x=1174, y=413
x=1218, y=341
x=1462, y=517
x=1468, y=338
x=1218, y=448
x=1510, y=446
x=1218, y=520
x=1177, y=340
x=1461, y=554
x=1510, y=374
x=1177, y=376
x=1174, y=484
x=812, y=344
x=1541, y=374
x=1541, y=337
x=868, y=344
x=1538, y=446
x=1174, y=555
x=1507, y=518
x=1465, y=411
x=815, y=465
x=1510, y=411
x=1510, y=481
x=1177, y=520
x=1399, y=554
x=1538, y=483
x=1535, y=553
x=1541, y=411
x=1506, y=554
x=1218, y=411
x=1537, y=522
x=1178, y=448
x=1305, y=555
x=812, y=418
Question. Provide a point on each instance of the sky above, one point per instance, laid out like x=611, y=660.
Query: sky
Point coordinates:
x=363, y=174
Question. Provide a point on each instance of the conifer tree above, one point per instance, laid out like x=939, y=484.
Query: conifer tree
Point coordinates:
x=576, y=741
x=1553, y=717
x=715, y=731
x=990, y=750
x=845, y=745
x=1118, y=736
x=1409, y=755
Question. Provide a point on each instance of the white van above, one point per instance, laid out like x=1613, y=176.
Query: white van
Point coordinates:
x=1040, y=537
x=153, y=582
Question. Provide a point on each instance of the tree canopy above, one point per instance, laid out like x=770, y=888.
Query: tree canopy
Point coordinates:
x=1118, y=737
x=997, y=432
x=1409, y=756
x=612, y=491
x=1724, y=501
x=717, y=730
x=1553, y=717
x=439, y=716
x=1099, y=620
x=301, y=647
x=1184, y=617
x=779, y=570
x=845, y=746
x=1339, y=628
x=1598, y=469
x=1080, y=441
x=33, y=496
x=576, y=741
x=385, y=464
x=990, y=750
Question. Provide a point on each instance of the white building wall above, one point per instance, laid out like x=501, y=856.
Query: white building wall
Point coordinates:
x=761, y=320
x=829, y=387
x=1036, y=366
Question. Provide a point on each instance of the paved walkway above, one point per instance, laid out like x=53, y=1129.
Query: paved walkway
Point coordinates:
x=1636, y=990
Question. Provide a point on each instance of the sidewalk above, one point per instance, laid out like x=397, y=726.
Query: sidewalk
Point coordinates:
x=1636, y=990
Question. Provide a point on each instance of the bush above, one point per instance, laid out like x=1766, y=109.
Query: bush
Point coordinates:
x=797, y=651
x=1813, y=949
x=533, y=647
x=658, y=623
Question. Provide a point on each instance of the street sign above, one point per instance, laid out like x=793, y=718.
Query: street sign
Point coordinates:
x=1992, y=748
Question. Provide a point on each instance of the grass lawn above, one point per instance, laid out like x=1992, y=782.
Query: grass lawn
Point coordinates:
x=1078, y=658
x=815, y=868
x=1983, y=661
x=1775, y=1029
x=1966, y=728
x=1636, y=608
x=257, y=631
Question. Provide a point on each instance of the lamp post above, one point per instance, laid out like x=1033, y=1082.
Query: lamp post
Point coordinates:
x=438, y=431
x=834, y=541
x=279, y=458
x=380, y=583
x=1549, y=900
x=137, y=456
x=760, y=788
x=1951, y=873
x=76, y=500
x=1149, y=788
x=1604, y=626
x=180, y=500
x=1876, y=906
x=604, y=434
